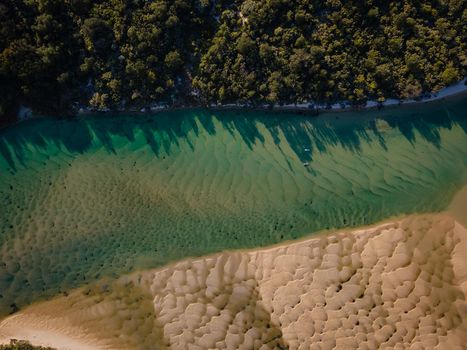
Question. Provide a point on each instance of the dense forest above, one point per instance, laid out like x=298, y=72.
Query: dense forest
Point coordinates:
x=59, y=55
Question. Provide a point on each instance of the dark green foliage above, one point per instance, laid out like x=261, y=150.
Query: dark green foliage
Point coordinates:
x=104, y=53
x=22, y=345
x=334, y=50
x=58, y=54
x=38, y=54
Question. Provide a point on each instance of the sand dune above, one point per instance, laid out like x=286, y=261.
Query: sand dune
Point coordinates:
x=397, y=285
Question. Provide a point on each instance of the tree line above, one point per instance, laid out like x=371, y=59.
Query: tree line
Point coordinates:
x=59, y=55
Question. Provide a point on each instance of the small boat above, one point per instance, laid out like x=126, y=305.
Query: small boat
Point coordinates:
x=307, y=150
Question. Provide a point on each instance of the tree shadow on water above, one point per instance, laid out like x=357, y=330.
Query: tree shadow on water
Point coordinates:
x=305, y=135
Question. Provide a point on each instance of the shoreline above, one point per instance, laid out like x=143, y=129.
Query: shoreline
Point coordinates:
x=78, y=319
x=345, y=106
x=308, y=108
x=62, y=323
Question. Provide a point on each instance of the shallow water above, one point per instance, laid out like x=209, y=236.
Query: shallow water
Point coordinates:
x=105, y=195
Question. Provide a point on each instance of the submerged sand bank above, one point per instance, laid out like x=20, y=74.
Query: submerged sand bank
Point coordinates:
x=396, y=285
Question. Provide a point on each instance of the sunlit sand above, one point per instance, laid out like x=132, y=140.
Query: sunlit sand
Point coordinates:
x=396, y=285
x=95, y=209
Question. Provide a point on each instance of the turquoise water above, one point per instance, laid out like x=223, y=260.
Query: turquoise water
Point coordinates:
x=104, y=195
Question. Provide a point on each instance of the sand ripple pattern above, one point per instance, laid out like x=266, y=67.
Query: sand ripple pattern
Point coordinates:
x=106, y=195
x=400, y=285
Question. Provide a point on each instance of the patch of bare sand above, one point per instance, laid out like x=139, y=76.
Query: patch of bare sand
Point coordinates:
x=397, y=285
x=458, y=206
x=38, y=330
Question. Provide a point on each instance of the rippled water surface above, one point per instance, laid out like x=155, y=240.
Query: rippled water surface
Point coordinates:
x=104, y=195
